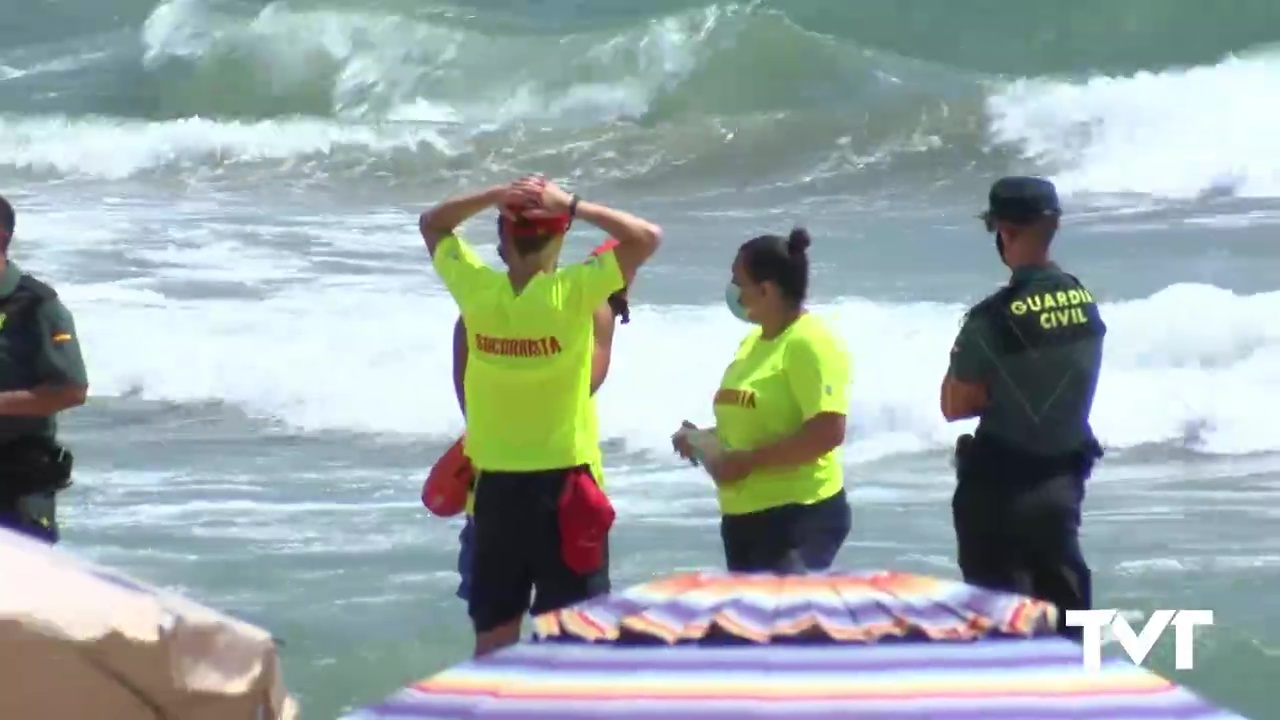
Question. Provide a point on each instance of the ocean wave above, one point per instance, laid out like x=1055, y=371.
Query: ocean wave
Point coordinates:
x=1195, y=385
x=696, y=97
x=1182, y=133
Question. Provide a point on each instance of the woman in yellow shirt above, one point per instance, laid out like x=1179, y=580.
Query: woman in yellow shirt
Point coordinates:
x=780, y=419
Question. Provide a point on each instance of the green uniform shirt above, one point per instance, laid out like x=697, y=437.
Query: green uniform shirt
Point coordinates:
x=41, y=348
x=1036, y=346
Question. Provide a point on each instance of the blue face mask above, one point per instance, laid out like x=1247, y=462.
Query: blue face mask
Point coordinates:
x=733, y=298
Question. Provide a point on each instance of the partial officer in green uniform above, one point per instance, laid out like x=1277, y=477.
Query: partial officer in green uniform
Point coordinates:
x=41, y=374
x=1026, y=363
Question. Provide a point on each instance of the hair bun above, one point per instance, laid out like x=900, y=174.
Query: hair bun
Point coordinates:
x=798, y=241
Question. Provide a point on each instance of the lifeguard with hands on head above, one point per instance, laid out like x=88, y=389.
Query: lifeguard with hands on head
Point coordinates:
x=541, y=521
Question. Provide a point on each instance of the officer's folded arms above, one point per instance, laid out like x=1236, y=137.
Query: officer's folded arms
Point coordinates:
x=962, y=400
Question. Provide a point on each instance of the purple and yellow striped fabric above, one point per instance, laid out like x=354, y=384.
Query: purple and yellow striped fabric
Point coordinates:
x=1005, y=679
x=873, y=646
x=860, y=608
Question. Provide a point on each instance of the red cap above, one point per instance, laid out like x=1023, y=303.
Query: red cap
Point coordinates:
x=445, y=491
x=556, y=225
x=604, y=247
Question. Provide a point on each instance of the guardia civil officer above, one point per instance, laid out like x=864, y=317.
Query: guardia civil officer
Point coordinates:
x=41, y=374
x=1026, y=363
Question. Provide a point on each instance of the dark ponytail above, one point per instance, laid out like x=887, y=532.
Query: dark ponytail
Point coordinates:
x=798, y=243
x=782, y=261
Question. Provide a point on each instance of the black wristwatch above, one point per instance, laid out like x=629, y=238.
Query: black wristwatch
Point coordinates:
x=573, y=205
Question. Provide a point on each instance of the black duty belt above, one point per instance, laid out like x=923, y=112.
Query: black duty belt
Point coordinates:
x=33, y=465
x=986, y=460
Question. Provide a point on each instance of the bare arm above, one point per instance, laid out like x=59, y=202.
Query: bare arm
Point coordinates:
x=460, y=355
x=822, y=433
x=637, y=238
x=43, y=400
x=961, y=400
x=603, y=352
x=442, y=220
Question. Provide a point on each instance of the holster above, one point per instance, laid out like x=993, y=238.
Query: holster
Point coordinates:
x=33, y=465
x=987, y=461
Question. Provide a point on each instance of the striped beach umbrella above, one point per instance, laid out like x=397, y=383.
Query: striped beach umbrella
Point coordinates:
x=874, y=646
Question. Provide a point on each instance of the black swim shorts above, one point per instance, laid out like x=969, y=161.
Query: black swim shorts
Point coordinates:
x=519, y=563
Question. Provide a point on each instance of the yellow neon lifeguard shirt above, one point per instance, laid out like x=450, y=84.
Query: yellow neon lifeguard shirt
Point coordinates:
x=528, y=379
x=768, y=392
x=597, y=472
